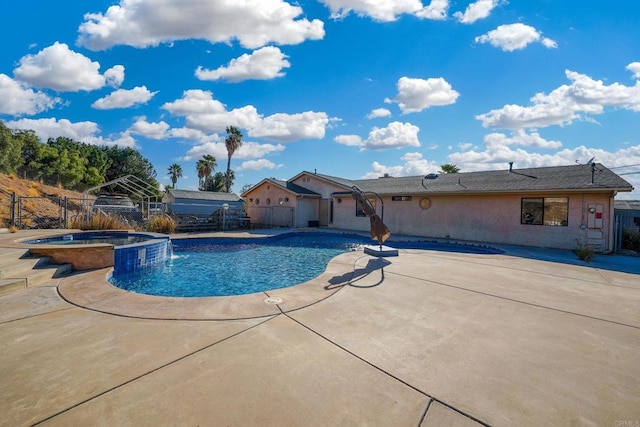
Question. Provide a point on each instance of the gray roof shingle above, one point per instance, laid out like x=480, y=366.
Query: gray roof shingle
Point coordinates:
x=556, y=178
x=294, y=187
x=204, y=195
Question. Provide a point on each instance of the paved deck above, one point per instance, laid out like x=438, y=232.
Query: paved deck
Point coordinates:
x=427, y=338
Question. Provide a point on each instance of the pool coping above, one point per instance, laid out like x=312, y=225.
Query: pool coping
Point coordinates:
x=92, y=290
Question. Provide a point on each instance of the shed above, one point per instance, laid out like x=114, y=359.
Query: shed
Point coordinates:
x=200, y=204
x=627, y=214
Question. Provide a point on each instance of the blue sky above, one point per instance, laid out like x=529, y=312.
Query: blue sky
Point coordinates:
x=351, y=88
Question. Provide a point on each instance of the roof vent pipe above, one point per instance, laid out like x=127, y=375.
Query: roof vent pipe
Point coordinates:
x=510, y=167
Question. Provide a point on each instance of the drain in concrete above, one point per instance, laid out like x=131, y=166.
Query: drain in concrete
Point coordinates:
x=273, y=300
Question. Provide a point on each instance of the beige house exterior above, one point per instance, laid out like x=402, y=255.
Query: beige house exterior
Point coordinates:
x=556, y=207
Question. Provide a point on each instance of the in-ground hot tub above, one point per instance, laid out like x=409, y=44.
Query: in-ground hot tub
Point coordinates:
x=126, y=251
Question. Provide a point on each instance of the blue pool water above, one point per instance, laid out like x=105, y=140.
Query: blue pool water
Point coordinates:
x=222, y=267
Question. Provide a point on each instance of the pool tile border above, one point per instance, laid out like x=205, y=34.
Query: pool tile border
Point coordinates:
x=91, y=290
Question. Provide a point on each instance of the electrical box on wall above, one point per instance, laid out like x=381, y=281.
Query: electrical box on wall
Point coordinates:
x=595, y=216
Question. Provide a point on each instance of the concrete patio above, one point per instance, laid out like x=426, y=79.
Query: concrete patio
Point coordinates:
x=428, y=338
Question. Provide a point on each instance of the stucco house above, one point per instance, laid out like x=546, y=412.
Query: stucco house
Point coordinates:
x=556, y=207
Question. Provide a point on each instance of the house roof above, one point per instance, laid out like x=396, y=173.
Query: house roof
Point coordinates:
x=204, y=195
x=633, y=205
x=286, y=185
x=549, y=179
x=295, y=188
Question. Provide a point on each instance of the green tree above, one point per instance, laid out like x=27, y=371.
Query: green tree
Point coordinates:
x=31, y=147
x=175, y=171
x=233, y=141
x=10, y=150
x=47, y=164
x=216, y=183
x=127, y=161
x=74, y=171
x=449, y=168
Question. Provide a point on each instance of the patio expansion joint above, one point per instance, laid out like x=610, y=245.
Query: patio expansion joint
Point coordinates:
x=390, y=375
x=558, y=310
x=537, y=272
x=38, y=315
x=156, y=369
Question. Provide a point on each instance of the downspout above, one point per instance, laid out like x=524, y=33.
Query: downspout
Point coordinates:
x=612, y=226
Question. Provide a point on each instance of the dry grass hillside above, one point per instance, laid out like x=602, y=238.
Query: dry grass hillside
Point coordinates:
x=10, y=184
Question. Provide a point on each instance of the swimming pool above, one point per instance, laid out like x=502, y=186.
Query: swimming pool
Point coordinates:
x=223, y=267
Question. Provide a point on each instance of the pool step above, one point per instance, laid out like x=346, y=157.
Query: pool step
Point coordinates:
x=18, y=266
x=18, y=270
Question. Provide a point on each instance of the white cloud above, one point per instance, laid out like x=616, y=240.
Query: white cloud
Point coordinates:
x=156, y=130
x=86, y=132
x=378, y=112
x=634, y=67
x=520, y=137
x=584, y=96
x=499, y=156
x=124, y=98
x=395, y=135
x=248, y=150
x=414, y=164
x=283, y=127
x=246, y=117
x=195, y=101
x=415, y=95
x=514, y=36
x=350, y=140
x=257, y=165
x=436, y=10
x=191, y=135
x=549, y=43
x=378, y=10
x=263, y=64
x=206, y=114
x=475, y=11
x=114, y=76
x=17, y=100
x=144, y=23
x=253, y=150
x=59, y=68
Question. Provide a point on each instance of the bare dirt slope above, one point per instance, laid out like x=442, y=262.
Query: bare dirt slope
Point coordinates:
x=10, y=184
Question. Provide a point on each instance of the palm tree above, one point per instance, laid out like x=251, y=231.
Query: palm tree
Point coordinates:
x=449, y=168
x=205, y=168
x=210, y=164
x=233, y=141
x=175, y=170
x=200, y=167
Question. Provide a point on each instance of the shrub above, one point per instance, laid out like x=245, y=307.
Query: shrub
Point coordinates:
x=98, y=222
x=161, y=224
x=13, y=229
x=584, y=252
x=631, y=240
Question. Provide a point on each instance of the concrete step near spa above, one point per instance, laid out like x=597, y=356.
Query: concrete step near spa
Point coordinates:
x=18, y=270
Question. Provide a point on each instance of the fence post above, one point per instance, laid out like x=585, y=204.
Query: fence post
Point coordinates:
x=12, y=211
x=66, y=211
